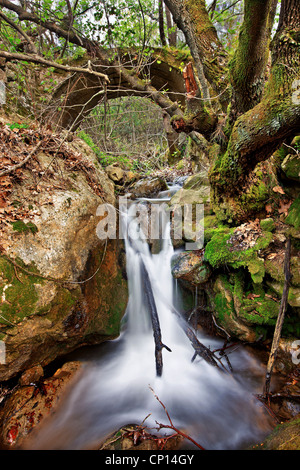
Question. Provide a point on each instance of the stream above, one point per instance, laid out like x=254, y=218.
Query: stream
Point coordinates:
x=216, y=409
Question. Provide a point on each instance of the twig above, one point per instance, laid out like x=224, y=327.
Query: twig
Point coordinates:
x=280, y=318
x=171, y=425
x=40, y=60
x=18, y=165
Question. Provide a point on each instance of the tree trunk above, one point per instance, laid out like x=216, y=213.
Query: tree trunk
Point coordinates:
x=208, y=53
x=172, y=36
x=161, y=23
x=260, y=131
x=248, y=66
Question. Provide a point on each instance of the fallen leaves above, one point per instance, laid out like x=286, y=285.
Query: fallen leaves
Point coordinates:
x=18, y=149
x=246, y=235
x=278, y=189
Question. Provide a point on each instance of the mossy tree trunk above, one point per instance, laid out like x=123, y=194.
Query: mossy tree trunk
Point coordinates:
x=209, y=55
x=257, y=133
x=248, y=66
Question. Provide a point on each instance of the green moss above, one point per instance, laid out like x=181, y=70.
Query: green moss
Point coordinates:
x=18, y=292
x=293, y=217
x=219, y=252
x=20, y=226
x=267, y=225
x=285, y=436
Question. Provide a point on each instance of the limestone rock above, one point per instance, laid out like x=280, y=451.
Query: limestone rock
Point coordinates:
x=190, y=267
x=191, y=196
x=148, y=187
x=47, y=307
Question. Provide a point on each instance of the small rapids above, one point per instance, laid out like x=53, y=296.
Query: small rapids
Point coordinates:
x=218, y=410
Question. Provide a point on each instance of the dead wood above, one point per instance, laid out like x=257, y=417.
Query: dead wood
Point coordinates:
x=171, y=425
x=159, y=345
x=280, y=319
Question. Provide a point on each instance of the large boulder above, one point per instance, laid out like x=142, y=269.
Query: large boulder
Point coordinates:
x=148, y=187
x=57, y=278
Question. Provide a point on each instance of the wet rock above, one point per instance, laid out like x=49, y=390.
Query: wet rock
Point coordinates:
x=191, y=268
x=32, y=375
x=148, y=187
x=30, y=404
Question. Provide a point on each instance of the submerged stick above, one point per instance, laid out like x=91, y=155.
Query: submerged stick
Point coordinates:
x=159, y=345
x=280, y=318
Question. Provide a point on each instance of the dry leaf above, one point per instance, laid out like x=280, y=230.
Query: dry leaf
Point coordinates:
x=252, y=296
x=284, y=207
x=278, y=189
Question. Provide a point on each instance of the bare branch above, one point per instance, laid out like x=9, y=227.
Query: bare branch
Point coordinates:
x=20, y=31
x=40, y=60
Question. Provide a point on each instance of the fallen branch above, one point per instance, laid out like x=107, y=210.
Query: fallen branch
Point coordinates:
x=159, y=345
x=49, y=63
x=18, y=165
x=171, y=425
x=280, y=318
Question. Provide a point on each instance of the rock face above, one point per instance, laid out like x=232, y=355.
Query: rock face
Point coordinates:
x=58, y=281
x=190, y=268
x=148, y=187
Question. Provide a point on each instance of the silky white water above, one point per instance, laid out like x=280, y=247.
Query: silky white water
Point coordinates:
x=215, y=409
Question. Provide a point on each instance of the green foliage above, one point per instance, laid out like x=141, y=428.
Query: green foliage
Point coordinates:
x=128, y=131
x=219, y=252
x=21, y=227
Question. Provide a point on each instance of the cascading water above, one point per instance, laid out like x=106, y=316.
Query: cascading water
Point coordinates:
x=215, y=409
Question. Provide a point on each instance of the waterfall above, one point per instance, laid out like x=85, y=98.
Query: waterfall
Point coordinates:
x=215, y=409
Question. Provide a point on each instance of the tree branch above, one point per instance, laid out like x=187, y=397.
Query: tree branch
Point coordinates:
x=40, y=60
x=247, y=68
x=20, y=31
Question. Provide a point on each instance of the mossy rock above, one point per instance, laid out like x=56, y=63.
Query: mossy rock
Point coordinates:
x=224, y=310
x=196, y=181
x=267, y=225
x=291, y=167
x=244, y=309
x=220, y=252
x=18, y=292
x=293, y=217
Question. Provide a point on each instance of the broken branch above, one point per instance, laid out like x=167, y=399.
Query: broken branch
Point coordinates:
x=154, y=318
x=171, y=425
x=280, y=318
x=40, y=60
